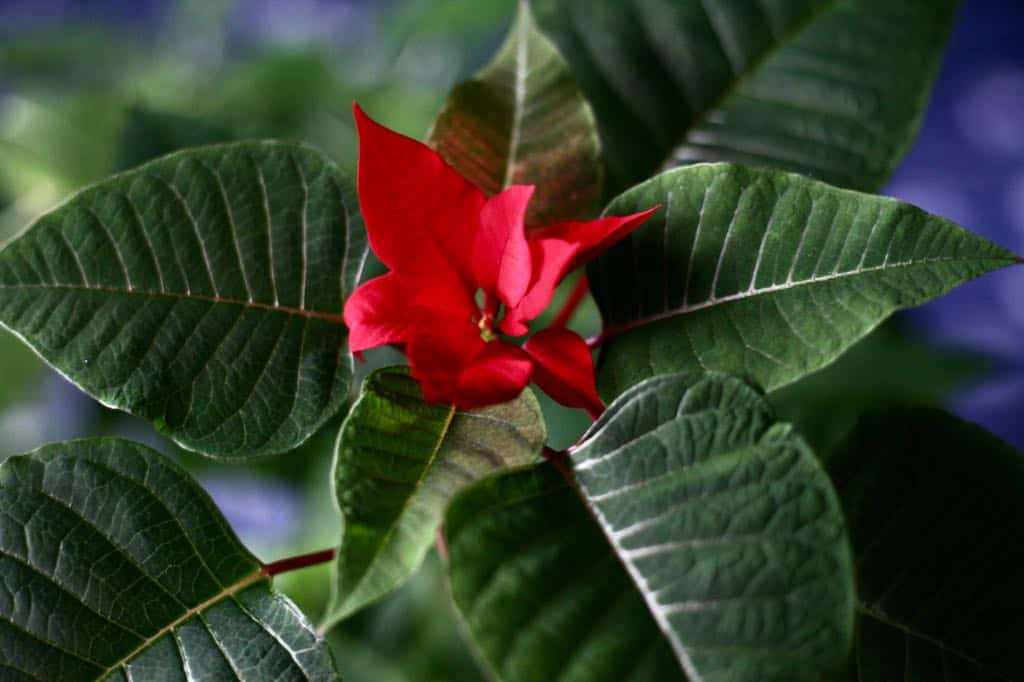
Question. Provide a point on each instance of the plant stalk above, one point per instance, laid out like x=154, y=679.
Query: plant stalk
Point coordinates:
x=294, y=563
x=576, y=296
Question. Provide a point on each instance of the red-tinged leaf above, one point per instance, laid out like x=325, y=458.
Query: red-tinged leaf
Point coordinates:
x=564, y=369
x=522, y=120
x=421, y=215
x=501, y=256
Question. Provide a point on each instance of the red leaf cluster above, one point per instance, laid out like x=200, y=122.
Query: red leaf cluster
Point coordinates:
x=444, y=242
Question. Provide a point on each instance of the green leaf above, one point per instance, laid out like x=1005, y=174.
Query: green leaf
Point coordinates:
x=830, y=88
x=888, y=368
x=765, y=275
x=935, y=508
x=398, y=463
x=728, y=526
x=117, y=566
x=202, y=291
x=522, y=121
x=539, y=589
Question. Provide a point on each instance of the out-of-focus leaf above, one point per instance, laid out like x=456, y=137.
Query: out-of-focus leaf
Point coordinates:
x=17, y=367
x=413, y=628
x=398, y=463
x=540, y=590
x=202, y=291
x=829, y=88
x=728, y=526
x=66, y=58
x=117, y=566
x=764, y=274
x=148, y=134
x=888, y=368
x=935, y=507
x=522, y=121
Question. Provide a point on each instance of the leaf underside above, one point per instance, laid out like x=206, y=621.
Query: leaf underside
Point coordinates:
x=764, y=274
x=117, y=566
x=833, y=89
x=202, y=291
x=521, y=120
x=728, y=526
x=542, y=595
x=398, y=463
x=935, y=507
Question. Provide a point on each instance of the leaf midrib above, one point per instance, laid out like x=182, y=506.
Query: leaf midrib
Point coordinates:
x=402, y=511
x=868, y=612
x=751, y=72
x=226, y=593
x=788, y=286
x=188, y=296
x=523, y=24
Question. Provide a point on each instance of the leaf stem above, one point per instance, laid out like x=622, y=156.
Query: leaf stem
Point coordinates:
x=579, y=291
x=294, y=563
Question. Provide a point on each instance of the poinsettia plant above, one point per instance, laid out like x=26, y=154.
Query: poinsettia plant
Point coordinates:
x=703, y=171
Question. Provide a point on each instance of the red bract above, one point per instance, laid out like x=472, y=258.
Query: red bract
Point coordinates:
x=444, y=242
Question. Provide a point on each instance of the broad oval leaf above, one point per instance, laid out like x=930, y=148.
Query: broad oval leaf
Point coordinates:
x=765, y=275
x=728, y=526
x=522, y=121
x=540, y=590
x=935, y=509
x=398, y=463
x=116, y=565
x=202, y=291
x=829, y=88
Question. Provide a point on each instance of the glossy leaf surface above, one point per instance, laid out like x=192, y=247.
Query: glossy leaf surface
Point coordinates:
x=202, y=291
x=934, y=506
x=117, y=566
x=834, y=89
x=399, y=462
x=522, y=121
x=765, y=275
x=540, y=590
x=728, y=526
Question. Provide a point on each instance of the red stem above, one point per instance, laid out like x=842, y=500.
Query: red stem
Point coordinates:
x=293, y=563
x=442, y=544
x=576, y=297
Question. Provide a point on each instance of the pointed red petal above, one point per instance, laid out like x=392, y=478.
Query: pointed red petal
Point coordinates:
x=564, y=369
x=391, y=309
x=462, y=369
x=557, y=250
x=438, y=356
x=587, y=239
x=421, y=215
x=501, y=256
x=497, y=375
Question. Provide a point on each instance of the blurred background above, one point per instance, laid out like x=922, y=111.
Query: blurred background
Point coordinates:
x=89, y=87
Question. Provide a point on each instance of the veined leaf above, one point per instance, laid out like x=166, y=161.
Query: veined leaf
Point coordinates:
x=829, y=88
x=117, y=566
x=522, y=121
x=765, y=275
x=728, y=526
x=398, y=463
x=935, y=508
x=202, y=291
x=540, y=590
